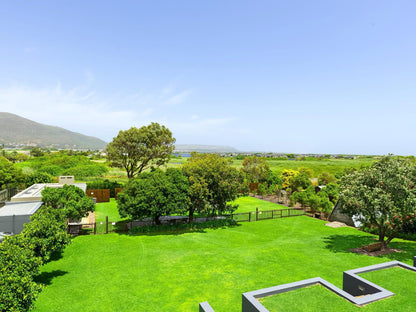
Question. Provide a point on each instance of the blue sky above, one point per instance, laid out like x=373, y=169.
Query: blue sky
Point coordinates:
x=282, y=76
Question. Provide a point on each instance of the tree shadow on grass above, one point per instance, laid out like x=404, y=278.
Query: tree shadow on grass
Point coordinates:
x=56, y=256
x=177, y=232
x=46, y=278
x=343, y=243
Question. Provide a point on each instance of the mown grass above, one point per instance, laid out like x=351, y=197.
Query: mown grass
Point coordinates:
x=249, y=204
x=174, y=272
x=107, y=209
x=317, y=298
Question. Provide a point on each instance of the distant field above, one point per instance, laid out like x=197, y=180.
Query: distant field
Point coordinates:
x=318, y=166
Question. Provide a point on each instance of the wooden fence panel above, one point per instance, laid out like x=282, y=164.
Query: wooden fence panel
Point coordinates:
x=253, y=187
x=102, y=196
x=117, y=190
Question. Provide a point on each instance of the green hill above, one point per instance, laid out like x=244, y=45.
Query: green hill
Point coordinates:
x=18, y=131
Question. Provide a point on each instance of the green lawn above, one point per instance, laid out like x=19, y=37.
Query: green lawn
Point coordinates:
x=107, y=209
x=313, y=298
x=174, y=272
x=317, y=298
x=249, y=204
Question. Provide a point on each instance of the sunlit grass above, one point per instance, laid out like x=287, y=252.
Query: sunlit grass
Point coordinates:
x=174, y=272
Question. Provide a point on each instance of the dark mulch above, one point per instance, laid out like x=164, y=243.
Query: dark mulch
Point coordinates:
x=375, y=253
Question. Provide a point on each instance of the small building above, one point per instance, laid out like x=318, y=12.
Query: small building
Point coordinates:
x=338, y=214
x=14, y=214
x=34, y=192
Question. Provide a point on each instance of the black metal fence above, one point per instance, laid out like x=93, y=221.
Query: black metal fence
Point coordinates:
x=268, y=214
x=105, y=227
x=102, y=227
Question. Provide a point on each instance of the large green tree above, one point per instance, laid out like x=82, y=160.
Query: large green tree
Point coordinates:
x=154, y=194
x=382, y=196
x=70, y=198
x=21, y=256
x=213, y=183
x=138, y=149
x=18, y=267
x=47, y=232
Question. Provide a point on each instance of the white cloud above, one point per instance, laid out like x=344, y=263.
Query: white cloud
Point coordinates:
x=75, y=109
x=83, y=110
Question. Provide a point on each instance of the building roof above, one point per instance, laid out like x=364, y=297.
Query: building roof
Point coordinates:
x=34, y=192
x=20, y=208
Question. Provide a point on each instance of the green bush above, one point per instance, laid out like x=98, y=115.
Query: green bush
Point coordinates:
x=53, y=170
x=89, y=170
x=38, y=177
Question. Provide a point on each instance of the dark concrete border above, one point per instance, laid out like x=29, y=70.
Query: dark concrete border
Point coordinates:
x=205, y=307
x=358, y=286
x=356, y=289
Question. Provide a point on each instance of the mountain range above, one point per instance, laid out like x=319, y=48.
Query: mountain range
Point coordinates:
x=16, y=131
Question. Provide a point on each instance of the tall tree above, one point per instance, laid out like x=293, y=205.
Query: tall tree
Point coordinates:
x=19, y=265
x=47, y=232
x=154, y=194
x=212, y=176
x=256, y=169
x=382, y=195
x=138, y=149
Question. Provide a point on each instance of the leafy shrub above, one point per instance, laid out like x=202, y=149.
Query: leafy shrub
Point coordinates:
x=53, y=170
x=262, y=189
x=61, y=164
x=89, y=170
x=38, y=177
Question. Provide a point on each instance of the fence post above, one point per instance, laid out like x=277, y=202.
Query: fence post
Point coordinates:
x=272, y=214
x=95, y=228
x=106, y=224
x=257, y=213
x=249, y=217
